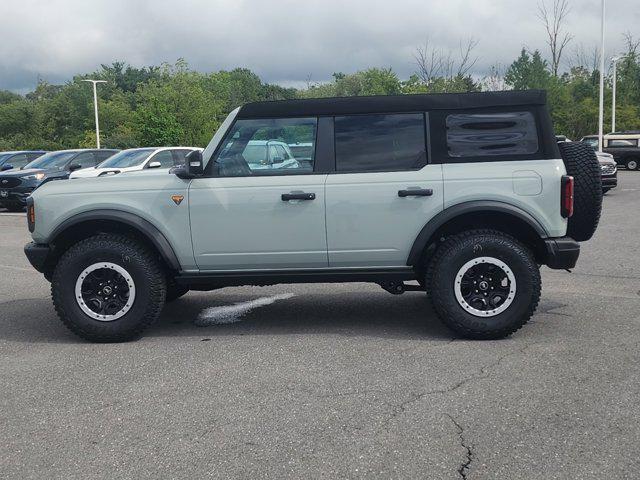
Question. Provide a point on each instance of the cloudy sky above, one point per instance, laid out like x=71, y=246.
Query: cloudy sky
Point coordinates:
x=284, y=41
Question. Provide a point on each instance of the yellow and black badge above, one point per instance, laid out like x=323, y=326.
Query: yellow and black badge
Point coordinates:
x=177, y=199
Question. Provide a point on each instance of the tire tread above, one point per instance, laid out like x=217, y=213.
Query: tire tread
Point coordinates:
x=131, y=247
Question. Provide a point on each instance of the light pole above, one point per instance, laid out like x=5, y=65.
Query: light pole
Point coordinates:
x=613, y=101
x=601, y=103
x=95, y=107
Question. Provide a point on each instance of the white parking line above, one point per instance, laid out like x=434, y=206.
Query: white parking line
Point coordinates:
x=233, y=313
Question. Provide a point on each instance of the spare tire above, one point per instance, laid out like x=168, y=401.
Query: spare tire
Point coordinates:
x=582, y=164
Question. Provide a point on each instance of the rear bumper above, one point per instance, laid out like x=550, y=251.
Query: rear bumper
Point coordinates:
x=562, y=252
x=37, y=254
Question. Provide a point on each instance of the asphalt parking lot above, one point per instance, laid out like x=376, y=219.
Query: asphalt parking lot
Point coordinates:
x=325, y=381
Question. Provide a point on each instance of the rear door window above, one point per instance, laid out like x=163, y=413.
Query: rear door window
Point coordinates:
x=164, y=157
x=179, y=156
x=84, y=159
x=491, y=134
x=379, y=143
x=102, y=156
x=19, y=160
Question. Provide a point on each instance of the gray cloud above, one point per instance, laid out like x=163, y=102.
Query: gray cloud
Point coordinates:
x=284, y=41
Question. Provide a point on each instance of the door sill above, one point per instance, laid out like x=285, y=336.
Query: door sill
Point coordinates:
x=213, y=280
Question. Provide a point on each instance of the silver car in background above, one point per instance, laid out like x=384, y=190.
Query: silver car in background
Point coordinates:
x=135, y=159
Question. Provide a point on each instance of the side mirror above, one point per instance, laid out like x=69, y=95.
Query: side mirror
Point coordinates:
x=193, y=166
x=6, y=167
x=154, y=165
x=277, y=160
x=74, y=166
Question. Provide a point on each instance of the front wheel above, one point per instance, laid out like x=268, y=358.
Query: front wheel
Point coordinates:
x=108, y=288
x=632, y=164
x=483, y=284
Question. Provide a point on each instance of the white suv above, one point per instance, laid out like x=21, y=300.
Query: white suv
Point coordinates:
x=467, y=194
x=135, y=159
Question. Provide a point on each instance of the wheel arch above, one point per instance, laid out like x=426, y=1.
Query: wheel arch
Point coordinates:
x=86, y=224
x=478, y=214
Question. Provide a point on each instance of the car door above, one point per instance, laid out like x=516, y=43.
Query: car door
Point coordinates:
x=383, y=192
x=246, y=217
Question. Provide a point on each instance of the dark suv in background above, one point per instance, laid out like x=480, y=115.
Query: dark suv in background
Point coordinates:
x=17, y=185
x=18, y=159
x=624, y=146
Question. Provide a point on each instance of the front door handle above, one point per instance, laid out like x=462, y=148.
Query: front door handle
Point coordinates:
x=298, y=196
x=415, y=192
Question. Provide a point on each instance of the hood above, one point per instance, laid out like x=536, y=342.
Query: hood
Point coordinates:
x=605, y=158
x=22, y=173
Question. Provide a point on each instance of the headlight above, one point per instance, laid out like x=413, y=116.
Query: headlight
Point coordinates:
x=37, y=176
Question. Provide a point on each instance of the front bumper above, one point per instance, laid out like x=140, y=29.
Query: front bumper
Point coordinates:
x=562, y=252
x=37, y=254
x=610, y=181
x=16, y=195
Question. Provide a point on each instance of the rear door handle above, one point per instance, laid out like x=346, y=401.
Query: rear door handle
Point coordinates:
x=298, y=196
x=415, y=192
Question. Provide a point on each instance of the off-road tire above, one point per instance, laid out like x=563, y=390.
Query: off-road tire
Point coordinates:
x=175, y=291
x=137, y=260
x=455, y=252
x=582, y=164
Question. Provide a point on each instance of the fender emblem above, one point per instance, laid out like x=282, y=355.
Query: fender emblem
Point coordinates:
x=177, y=199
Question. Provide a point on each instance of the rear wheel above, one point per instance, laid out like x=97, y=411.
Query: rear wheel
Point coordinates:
x=483, y=284
x=108, y=288
x=632, y=164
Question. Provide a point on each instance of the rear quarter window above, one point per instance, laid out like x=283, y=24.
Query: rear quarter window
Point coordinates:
x=491, y=134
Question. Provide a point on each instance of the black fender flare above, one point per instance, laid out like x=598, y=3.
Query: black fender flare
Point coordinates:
x=144, y=227
x=454, y=211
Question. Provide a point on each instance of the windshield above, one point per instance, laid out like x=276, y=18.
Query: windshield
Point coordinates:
x=3, y=157
x=127, y=158
x=51, y=160
x=591, y=141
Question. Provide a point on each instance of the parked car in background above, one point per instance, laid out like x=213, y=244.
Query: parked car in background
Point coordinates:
x=303, y=152
x=135, y=159
x=18, y=159
x=608, y=170
x=17, y=185
x=624, y=146
x=268, y=155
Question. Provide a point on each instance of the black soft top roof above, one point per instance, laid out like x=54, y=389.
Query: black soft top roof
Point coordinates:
x=391, y=103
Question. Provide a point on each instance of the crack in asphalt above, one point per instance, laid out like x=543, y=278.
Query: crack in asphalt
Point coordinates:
x=483, y=373
x=466, y=465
